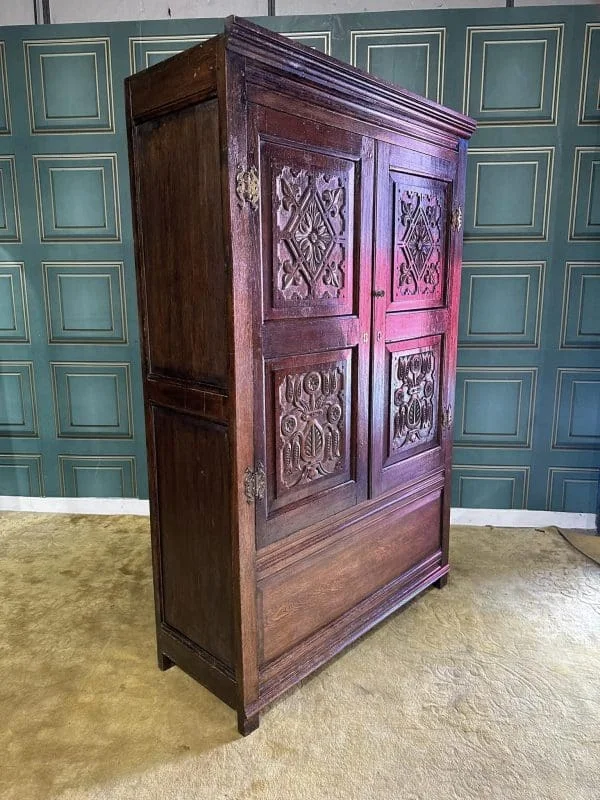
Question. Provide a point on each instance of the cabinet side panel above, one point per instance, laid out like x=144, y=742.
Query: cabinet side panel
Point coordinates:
x=181, y=241
x=193, y=487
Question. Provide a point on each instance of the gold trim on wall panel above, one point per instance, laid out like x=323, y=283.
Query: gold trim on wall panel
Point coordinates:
x=34, y=406
x=15, y=195
x=135, y=40
x=533, y=373
x=4, y=88
x=64, y=458
x=556, y=409
x=355, y=36
x=585, y=75
x=324, y=35
x=34, y=457
x=558, y=28
x=565, y=305
x=21, y=269
x=92, y=364
x=526, y=470
x=550, y=478
x=549, y=152
x=579, y=152
x=74, y=157
x=79, y=264
x=104, y=41
x=541, y=267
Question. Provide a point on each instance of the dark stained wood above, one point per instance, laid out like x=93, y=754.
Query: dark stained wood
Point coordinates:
x=192, y=466
x=188, y=78
x=184, y=272
x=298, y=352
x=299, y=600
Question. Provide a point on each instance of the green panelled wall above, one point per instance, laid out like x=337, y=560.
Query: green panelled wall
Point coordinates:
x=527, y=414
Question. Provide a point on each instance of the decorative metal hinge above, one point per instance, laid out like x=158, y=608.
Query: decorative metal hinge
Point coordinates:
x=254, y=483
x=457, y=219
x=247, y=187
x=447, y=417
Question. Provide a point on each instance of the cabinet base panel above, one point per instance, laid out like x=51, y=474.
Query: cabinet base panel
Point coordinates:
x=282, y=674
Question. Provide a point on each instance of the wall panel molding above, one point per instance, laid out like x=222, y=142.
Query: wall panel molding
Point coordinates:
x=85, y=302
x=585, y=196
x=571, y=489
x=14, y=316
x=69, y=85
x=78, y=197
x=508, y=194
x=501, y=304
x=495, y=406
x=512, y=74
x=5, y=122
x=580, y=328
x=577, y=410
x=589, y=99
x=412, y=57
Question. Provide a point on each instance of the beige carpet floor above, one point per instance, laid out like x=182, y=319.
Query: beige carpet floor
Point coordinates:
x=487, y=690
x=587, y=542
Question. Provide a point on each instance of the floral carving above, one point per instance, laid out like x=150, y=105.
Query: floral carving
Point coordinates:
x=413, y=387
x=311, y=424
x=419, y=243
x=310, y=235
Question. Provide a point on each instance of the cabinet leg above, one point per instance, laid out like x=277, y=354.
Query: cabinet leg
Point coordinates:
x=164, y=662
x=247, y=724
x=441, y=582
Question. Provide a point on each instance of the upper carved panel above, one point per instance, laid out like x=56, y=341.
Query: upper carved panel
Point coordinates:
x=312, y=425
x=419, y=245
x=310, y=236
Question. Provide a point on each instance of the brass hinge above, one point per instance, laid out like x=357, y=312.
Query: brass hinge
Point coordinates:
x=247, y=187
x=254, y=483
x=457, y=219
x=447, y=417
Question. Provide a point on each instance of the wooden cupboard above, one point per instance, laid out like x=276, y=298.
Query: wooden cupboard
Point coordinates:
x=298, y=247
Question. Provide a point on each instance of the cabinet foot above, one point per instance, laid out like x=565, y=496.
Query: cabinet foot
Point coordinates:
x=247, y=724
x=441, y=582
x=164, y=662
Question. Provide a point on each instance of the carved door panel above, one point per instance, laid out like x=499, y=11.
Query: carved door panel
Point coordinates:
x=414, y=333
x=312, y=319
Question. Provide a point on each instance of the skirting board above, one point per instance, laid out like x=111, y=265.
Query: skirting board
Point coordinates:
x=500, y=518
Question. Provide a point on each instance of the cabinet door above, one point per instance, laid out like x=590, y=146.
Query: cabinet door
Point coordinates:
x=312, y=319
x=417, y=265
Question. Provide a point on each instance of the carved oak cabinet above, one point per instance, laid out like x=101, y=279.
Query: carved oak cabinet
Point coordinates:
x=298, y=246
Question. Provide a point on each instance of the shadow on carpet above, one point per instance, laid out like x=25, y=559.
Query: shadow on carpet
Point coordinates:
x=487, y=689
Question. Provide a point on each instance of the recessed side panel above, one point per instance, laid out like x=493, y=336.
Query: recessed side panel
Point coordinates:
x=193, y=530
x=183, y=259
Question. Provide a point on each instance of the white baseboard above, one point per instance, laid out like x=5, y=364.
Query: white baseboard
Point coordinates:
x=76, y=505
x=500, y=518
x=517, y=518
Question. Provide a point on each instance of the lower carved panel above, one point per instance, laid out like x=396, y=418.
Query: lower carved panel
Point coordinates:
x=414, y=396
x=312, y=425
